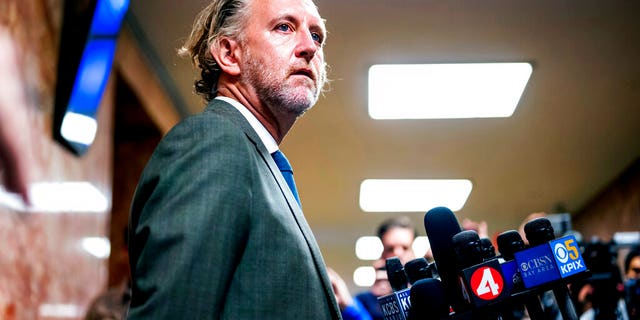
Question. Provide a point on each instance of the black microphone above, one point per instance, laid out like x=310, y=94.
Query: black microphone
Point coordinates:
x=441, y=225
x=481, y=279
x=428, y=300
x=396, y=306
x=417, y=269
x=510, y=242
x=488, y=251
x=466, y=245
x=395, y=273
x=538, y=232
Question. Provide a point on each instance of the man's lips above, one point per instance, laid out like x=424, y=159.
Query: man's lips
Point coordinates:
x=304, y=72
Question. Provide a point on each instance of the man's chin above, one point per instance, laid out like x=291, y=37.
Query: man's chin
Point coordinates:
x=299, y=109
x=304, y=97
x=294, y=101
x=300, y=105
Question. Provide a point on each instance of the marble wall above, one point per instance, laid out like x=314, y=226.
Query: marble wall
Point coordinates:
x=53, y=259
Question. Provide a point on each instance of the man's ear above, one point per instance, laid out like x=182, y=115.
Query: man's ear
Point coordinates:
x=226, y=53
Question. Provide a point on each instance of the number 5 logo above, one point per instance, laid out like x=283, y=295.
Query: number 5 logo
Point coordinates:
x=487, y=283
x=566, y=250
x=573, y=250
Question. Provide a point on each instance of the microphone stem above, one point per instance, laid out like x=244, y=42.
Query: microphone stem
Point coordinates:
x=534, y=308
x=507, y=315
x=567, y=309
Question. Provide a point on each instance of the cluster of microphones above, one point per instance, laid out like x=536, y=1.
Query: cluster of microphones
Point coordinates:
x=468, y=280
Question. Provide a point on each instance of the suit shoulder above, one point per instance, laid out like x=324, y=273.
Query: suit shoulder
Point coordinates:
x=202, y=148
x=202, y=143
x=206, y=124
x=208, y=131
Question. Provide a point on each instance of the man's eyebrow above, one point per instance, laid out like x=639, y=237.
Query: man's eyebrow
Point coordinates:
x=320, y=26
x=285, y=16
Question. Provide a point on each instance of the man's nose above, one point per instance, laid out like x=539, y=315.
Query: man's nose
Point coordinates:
x=306, y=47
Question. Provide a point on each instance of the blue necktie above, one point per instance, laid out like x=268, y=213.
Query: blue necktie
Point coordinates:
x=287, y=172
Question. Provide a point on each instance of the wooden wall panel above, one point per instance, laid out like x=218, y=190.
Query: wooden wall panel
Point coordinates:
x=617, y=208
x=44, y=271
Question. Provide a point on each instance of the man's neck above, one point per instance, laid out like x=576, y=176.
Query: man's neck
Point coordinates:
x=264, y=135
x=277, y=125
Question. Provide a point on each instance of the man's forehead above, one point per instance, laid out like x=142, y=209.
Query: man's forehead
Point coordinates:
x=285, y=7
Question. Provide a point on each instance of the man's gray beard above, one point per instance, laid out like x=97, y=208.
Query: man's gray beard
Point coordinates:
x=274, y=93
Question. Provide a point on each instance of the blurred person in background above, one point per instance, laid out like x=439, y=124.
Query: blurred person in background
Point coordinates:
x=350, y=309
x=601, y=296
x=114, y=302
x=112, y=305
x=632, y=264
x=632, y=283
x=397, y=235
x=480, y=227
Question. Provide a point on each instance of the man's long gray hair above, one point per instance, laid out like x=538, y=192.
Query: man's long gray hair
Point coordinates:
x=219, y=18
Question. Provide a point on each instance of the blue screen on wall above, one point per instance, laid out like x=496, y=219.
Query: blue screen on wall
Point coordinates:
x=87, y=47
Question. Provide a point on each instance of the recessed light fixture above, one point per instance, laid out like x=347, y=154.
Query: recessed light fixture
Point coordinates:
x=58, y=197
x=368, y=248
x=420, y=246
x=446, y=91
x=364, y=276
x=413, y=195
x=59, y=310
x=79, y=128
x=99, y=247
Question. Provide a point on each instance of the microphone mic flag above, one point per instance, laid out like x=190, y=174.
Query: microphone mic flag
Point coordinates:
x=482, y=280
x=510, y=242
x=396, y=306
x=549, y=261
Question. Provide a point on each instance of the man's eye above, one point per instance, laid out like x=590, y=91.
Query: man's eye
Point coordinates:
x=283, y=27
x=316, y=37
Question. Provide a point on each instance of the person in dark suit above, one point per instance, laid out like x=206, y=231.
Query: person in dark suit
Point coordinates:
x=216, y=227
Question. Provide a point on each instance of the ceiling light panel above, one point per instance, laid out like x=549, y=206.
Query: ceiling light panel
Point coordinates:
x=446, y=91
x=413, y=195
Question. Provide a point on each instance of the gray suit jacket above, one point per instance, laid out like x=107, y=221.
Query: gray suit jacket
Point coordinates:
x=215, y=232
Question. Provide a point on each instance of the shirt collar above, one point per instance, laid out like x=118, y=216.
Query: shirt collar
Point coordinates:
x=266, y=138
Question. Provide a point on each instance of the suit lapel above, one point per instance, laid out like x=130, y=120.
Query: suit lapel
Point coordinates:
x=235, y=116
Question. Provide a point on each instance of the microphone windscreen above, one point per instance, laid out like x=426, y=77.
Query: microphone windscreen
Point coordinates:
x=395, y=273
x=441, y=225
x=539, y=231
x=464, y=237
x=428, y=300
x=488, y=251
x=510, y=242
x=417, y=269
x=467, y=247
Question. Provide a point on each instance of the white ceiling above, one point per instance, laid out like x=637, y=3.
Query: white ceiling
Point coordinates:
x=576, y=128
